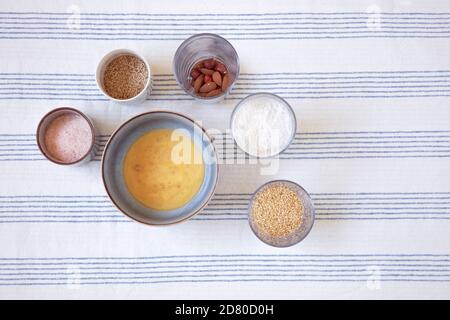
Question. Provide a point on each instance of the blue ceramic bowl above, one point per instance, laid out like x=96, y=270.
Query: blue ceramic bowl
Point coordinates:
x=114, y=155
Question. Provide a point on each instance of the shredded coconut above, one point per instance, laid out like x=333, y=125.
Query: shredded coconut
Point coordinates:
x=263, y=126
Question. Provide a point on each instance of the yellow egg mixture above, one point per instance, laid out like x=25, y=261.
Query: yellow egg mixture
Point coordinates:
x=160, y=171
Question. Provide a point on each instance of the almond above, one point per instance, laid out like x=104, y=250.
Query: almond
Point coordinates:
x=209, y=64
x=226, y=82
x=207, y=71
x=214, y=93
x=207, y=87
x=199, y=65
x=198, y=82
x=195, y=73
x=217, y=78
x=221, y=68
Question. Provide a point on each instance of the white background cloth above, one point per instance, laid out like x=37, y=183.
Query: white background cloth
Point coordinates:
x=371, y=94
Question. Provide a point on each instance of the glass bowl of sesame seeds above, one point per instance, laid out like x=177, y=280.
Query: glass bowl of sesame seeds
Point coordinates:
x=281, y=213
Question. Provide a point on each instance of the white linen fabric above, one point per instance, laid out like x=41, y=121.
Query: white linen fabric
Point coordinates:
x=370, y=85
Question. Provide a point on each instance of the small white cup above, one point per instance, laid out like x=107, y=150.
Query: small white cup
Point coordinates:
x=101, y=71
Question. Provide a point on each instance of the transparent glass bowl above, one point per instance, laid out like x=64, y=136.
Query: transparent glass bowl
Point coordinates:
x=199, y=47
x=259, y=95
x=297, y=235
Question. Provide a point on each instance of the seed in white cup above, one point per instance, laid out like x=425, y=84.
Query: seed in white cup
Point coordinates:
x=125, y=77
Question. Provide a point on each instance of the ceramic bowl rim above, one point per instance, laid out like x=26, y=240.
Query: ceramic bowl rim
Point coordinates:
x=206, y=201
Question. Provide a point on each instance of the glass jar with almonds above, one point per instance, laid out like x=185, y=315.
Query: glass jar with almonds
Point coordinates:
x=206, y=66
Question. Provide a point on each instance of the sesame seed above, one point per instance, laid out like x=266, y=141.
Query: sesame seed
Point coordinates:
x=277, y=211
x=125, y=77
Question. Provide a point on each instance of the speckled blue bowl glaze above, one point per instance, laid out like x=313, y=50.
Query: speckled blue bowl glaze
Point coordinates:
x=114, y=155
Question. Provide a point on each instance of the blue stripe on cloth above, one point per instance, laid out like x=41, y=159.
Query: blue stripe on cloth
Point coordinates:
x=214, y=202
x=343, y=194
x=225, y=266
x=226, y=14
x=231, y=98
x=394, y=72
x=387, y=28
x=224, y=17
x=343, y=280
x=279, y=265
x=264, y=77
x=246, y=280
x=242, y=24
x=234, y=38
x=299, y=34
x=218, y=275
x=6, y=159
x=338, y=255
x=239, y=85
x=81, y=221
x=198, y=17
x=231, y=259
x=418, y=272
x=238, y=88
x=350, y=144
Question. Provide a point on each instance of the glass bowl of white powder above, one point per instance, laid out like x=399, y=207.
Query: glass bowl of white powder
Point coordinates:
x=263, y=125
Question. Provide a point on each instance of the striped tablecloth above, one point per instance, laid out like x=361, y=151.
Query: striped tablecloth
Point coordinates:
x=370, y=85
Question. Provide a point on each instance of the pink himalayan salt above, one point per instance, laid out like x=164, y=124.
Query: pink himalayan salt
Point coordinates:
x=68, y=138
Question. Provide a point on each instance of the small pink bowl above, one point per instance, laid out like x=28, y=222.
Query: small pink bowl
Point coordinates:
x=42, y=128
